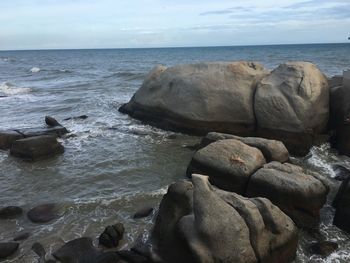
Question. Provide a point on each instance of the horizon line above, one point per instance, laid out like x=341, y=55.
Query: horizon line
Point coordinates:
x=169, y=47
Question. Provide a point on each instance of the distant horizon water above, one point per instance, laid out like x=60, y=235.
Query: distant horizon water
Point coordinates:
x=169, y=47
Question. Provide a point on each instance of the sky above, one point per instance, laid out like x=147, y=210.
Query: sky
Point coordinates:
x=66, y=24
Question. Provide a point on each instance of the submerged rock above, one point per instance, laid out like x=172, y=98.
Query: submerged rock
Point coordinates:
x=143, y=212
x=272, y=150
x=299, y=194
x=38, y=147
x=199, y=98
x=10, y=212
x=39, y=250
x=324, y=248
x=8, y=249
x=21, y=236
x=7, y=138
x=82, y=117
x=81, y=250
x=43, y=213
x=292, y=105
x=228, y=163
x=199, y=223
x=112, y=235
x=56, y=131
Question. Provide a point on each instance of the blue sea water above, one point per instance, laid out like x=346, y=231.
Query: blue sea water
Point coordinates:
x=114, y=164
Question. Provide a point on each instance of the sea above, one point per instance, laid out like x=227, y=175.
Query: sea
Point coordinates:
x=114, y=165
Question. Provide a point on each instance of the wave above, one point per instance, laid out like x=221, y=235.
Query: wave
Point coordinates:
x=7, y=59
x=35, y=70
x=54, y=71
x=8, y=89
x=127, y=75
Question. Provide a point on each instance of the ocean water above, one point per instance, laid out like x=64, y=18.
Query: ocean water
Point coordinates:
x=114, y=165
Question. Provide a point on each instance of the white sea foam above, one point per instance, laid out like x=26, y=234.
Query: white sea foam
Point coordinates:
x=323, y=158
x=8, y=89
x=35, y=70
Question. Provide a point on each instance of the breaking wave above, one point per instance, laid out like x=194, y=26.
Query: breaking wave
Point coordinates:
x=8, y=89
x=35, y=70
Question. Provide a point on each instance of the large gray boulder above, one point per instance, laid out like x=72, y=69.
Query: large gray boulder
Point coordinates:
x=211, y=225
x=292, y=105
x=199, y=98
x=37, y=147
x=272, y=150
x=228, y=163
x=300, y=194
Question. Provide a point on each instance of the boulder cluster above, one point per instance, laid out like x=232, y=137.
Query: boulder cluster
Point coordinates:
x=34, y=143
x=259, y=170
x=244, y=203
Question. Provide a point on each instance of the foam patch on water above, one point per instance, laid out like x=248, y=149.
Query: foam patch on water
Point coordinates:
x=35, y=70
x=108, y=200
x=8, y=89
x=322, y=157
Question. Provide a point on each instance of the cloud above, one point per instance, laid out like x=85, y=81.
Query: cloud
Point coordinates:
x=230, y=10
x=314, y=3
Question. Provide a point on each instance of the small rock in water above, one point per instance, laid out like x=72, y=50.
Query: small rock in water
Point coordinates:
x=42, y=213
x=112, y=235
x=144, y=212
x=324, y=248
x=21, y=236
x=10, y=212
x=82, y=117
x=8, y=249
x=37, y=147
x=81, y=250
x=52, y=122
x=39, y=250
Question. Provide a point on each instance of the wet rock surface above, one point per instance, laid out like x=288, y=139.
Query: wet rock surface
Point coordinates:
x=111, y=236
x=21, y=236
x=52, y=122
x=342, y=206
x=43, y=213
x=7, y=138
x=81, y=250
x=324, y=248
x=37, y=147
x=8, y=249
x=143, y=212
x=132, y=256
x=10, y=212
x=81, y=117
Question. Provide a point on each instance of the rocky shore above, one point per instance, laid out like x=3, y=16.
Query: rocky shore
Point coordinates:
x=245, y=199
